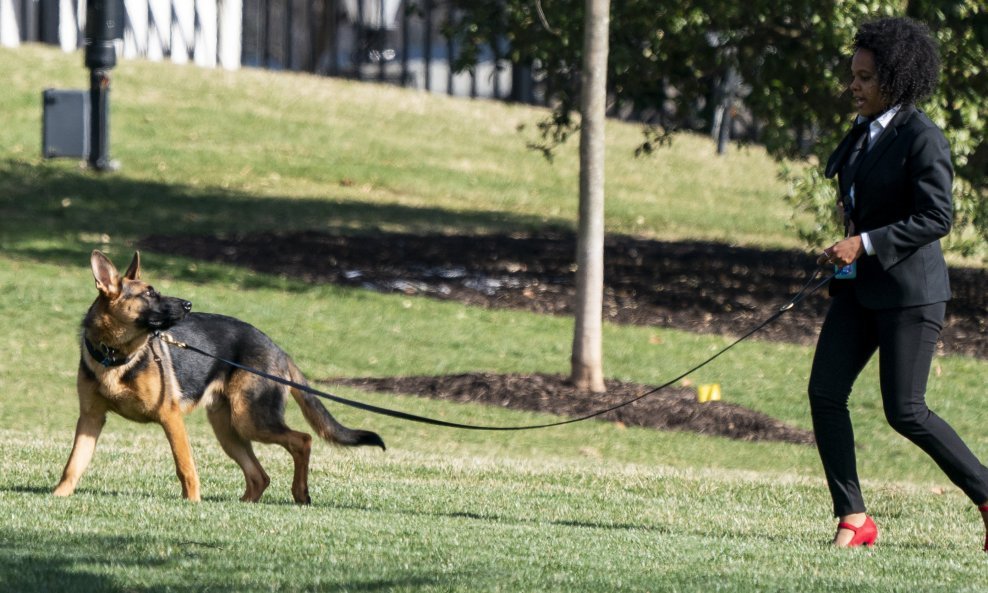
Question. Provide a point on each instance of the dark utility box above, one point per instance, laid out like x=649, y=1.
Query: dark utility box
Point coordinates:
x=65, y=129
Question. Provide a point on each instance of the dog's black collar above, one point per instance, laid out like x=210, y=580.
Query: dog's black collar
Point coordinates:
x=106, y=356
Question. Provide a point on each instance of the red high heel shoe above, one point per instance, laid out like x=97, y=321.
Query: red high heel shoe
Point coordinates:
x=866, y=535
x=984, y=509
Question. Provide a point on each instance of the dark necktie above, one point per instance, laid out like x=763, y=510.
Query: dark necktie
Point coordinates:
x=859, y=146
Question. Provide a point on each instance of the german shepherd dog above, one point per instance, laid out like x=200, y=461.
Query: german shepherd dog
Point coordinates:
x=126, y=369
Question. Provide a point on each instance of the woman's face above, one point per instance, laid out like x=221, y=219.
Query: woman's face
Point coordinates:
x=868, y=98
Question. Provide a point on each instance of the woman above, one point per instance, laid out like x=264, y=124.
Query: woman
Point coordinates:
x=895, y=177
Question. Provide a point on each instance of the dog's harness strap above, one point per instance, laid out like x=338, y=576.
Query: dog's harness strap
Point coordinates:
x=804, y=292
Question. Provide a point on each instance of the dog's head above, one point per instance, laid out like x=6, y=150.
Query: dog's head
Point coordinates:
x=132, y=302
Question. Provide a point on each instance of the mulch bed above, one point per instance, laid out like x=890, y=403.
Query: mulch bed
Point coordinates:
x=695, y=286
x=673, y=408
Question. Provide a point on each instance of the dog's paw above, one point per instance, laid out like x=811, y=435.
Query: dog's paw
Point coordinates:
x=63, y=490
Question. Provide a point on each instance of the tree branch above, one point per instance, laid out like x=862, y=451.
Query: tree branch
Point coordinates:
x=545, y=22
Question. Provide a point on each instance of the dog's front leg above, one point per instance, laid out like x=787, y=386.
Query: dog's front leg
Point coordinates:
x=178, y=438
x=87, y=432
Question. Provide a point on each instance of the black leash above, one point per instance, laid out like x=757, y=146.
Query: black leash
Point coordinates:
x=804, y=292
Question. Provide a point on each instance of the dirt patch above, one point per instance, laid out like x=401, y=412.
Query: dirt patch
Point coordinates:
x=694, y=286
x=673, y=408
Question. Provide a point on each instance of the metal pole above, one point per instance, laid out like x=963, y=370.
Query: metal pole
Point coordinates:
x=428, y=45
x=99, y=118
x=289, y=46
x=404, y=44
x=104, y=22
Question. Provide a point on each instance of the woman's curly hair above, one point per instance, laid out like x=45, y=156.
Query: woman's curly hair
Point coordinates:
x=907, y=59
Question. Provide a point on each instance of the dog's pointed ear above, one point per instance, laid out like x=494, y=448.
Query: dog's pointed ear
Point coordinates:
x=106, y=275
x=134, y=269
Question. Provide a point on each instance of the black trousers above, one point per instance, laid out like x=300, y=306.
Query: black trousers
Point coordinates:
x=905, y=339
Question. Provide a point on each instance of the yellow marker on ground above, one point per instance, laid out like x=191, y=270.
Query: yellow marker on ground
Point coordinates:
x=709, y=392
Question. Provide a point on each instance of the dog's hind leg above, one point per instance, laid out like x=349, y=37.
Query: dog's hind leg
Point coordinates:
x=299, y=445
x=87, y=432
x=240, y=450
x=258, y=414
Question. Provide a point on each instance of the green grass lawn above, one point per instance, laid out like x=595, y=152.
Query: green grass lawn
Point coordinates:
x=586, y=507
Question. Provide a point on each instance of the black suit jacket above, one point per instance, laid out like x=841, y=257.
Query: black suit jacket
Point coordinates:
x=902, y=192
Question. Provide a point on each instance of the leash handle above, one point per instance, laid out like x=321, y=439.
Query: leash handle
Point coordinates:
x=804, y=292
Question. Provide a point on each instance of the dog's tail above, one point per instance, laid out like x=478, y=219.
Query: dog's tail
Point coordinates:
x=323, y=422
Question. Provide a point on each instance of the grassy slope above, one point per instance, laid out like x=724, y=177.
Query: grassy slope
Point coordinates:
x=379, y=155
x=587, y=507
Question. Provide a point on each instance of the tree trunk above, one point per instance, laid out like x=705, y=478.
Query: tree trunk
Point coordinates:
x=587, y=367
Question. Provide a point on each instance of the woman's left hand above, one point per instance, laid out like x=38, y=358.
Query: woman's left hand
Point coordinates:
x=842, y=252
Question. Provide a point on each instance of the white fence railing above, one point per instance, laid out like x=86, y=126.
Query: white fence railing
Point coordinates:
x=207, y=32
x=365, y=39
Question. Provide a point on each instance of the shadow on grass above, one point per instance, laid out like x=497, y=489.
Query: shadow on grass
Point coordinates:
x=81, y=563
x=50, y=212
x=30, y=562
x=711, y=530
